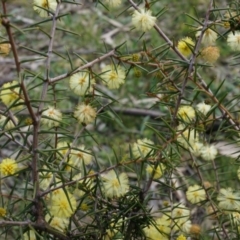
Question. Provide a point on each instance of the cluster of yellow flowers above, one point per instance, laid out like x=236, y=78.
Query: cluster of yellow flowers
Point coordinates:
x=84, y=113
x=61, y=206
x=210, y=53
x=189, y=137
x=82, y=83
x=62, y=203
x=175, y=220
x=8, y=167
x=142, y=19
x=143, y=148
x=228, y=204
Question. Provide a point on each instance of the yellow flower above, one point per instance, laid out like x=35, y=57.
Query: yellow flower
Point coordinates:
x=8, y=167
x=51, y=117
x=228, y=200
x=113, y=76
x=185, y=46
x=10, y=94
x=158, y=171
x=28, y=121
x=180, y=218
x=57, y=222
x=209, y=152
x=195, y=148
x=203, y=108
x=142, y=148
x=113, y=3
x=186, y=113
x=62, y=204
x=159, y=230
x=48, y=5
x=84, y=207
x=195, y=194
x=7, y=123
x=209, y=37
x=2, y=212
x=233, y=41
x=210, y=54
x=78, y=158
x=80, y=155
x=143, y=20
x=84, y=113
x=188, y=137
x=181, y=237
x=81, y=82
x=5, y=49
x=184, y=226
x=115, y=185
x=180, y=213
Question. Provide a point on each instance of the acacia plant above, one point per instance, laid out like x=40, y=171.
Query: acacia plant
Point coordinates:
x=119, y=119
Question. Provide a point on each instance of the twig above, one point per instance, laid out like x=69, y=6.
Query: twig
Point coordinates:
x=35, y=173
x=7, y=25
x=88, y=65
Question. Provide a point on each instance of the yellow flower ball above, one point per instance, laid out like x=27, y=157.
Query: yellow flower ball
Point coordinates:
x=8, y=167
x=185, y=46
x=115, y=185
x=210, y=54
x=2, y=212
x=84, y=113
x=51, y=117
x=10, y=95
x=186, y=113
x=143, y=20
x=195, y=194
x=62, y=204
x=113, y=76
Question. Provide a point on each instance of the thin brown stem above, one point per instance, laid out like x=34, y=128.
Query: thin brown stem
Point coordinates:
x=6, y=23
x=36, y=125
x=88, y=65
